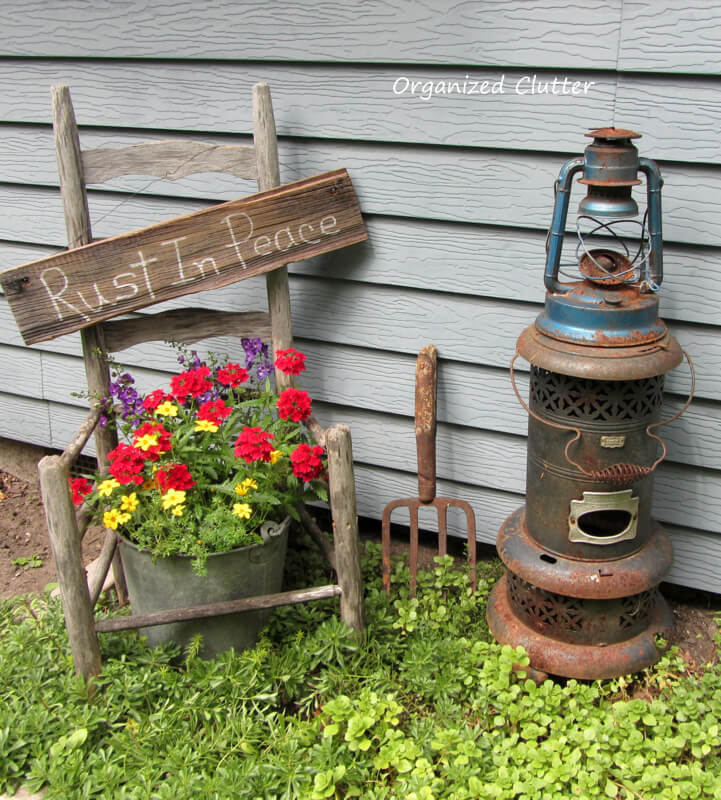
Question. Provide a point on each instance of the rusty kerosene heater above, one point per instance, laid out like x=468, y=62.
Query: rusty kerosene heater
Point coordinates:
x=584, y=557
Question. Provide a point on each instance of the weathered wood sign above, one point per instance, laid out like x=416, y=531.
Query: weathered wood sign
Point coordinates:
x=204, y=250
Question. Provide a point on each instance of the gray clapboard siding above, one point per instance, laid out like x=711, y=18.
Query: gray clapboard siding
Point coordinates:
x=21, y=371
x=428, y=255
x=311, y=100
x=360, y=104
x=670, y=36
x=463, y=259
x=655, y=35
x=381, y=381
x=475, y=330
x=479, y=186
x=405, y=32
x=695, y=552
x=28, y=419
x=498, y=461
x=679, y=110
x=695, y=559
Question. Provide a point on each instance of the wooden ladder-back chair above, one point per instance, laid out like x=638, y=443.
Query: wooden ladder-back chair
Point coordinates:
x=172, y=160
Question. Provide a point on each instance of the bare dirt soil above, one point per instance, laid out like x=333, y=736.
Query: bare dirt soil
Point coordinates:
x=26, y=561
x=26, y=566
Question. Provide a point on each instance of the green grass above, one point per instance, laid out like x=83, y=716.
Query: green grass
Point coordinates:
x=427, y=706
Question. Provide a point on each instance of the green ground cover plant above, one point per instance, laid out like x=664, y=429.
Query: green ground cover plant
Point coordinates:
x=426, y=707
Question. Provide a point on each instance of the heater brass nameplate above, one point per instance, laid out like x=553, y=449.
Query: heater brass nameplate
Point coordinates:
x=603, y=517
x=613, y=441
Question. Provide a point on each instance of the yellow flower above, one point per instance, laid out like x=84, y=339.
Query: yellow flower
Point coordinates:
x=146, y=441
x=167, y=409
x=107, y=486
x=205, y=425
x=243, y=488
x=113, y=518
x=123, y=518
x=173, y=497
x=129, y=502
x=148, y=483
x=275, y=455
x=242, y=510
x=178, y=511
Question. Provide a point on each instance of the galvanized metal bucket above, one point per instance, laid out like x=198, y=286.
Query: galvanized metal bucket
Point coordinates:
x=169, y=582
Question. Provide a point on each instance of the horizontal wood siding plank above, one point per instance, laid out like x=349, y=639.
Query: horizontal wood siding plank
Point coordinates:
x=25, y=419
x=697, y=560
x=478, y=331
x=465, y=185
x=516, y=32
x=465, y=455
x=678, y=115
x=358, y=103
x=683, y=496
x=670, y=36
x=674, y=113
x=477, y=260
x=697, y=555
x=382, y=381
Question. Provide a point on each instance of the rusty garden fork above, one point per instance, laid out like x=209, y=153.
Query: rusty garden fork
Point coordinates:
x=425, y=426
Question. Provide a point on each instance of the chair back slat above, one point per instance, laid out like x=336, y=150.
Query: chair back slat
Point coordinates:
x=170, y=159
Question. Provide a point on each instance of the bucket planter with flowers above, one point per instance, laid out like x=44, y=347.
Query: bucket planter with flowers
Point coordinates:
x=202, y=487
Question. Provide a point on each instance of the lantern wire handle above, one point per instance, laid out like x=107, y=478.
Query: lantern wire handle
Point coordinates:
x=621, y=473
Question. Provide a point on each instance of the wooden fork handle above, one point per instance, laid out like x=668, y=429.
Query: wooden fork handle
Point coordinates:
x=425, y=422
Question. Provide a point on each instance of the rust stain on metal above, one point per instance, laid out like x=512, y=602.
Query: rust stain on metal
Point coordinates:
x=612, y=133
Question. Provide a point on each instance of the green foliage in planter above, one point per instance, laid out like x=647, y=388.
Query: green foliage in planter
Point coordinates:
x=426, y=707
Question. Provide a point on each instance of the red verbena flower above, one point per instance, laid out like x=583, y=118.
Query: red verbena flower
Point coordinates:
x=290, y=361
x=154, y=399
x=174, y=476
x=306, y=462
x=232, y=375
x=294, y=404
x=215, y=411
x=126, y=464
x=79, y=487
x=253, y=444
x=151, y=439
x=194, y=382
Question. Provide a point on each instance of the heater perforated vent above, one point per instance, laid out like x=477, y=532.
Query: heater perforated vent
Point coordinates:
x=587, y=399
x=548, y=608
x=579, y=621
x=640, y=606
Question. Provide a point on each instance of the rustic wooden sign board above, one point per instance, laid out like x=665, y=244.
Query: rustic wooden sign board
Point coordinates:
x=204, y=250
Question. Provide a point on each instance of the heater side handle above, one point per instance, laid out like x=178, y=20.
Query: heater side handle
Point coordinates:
x=558, y=224
x=621, y=473
x=654, y=182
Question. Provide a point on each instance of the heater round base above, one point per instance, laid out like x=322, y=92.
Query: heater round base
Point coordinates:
x=584, y=662
x=591, y=580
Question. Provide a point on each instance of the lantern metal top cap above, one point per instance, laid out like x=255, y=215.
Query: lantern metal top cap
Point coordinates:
x=613, y=133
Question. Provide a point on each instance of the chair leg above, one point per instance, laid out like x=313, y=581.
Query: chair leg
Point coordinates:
x=65, y=543
x=345, y=525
